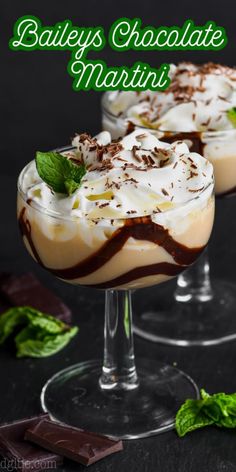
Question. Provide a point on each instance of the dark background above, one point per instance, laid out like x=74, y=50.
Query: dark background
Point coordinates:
x=39, y=108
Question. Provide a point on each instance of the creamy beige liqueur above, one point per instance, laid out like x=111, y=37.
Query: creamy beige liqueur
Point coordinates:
x=143, y=213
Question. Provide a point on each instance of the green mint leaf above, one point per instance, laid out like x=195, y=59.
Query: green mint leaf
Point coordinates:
x=41, y=335
x=59, y=173
x=231, y=114
x=32, y=343
x=191, y=416
x=70, y=186
x=222, y=409
x=9, y=321
x=218, y=409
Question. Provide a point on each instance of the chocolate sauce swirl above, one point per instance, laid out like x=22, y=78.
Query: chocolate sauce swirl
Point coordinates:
x=142, y=229
x=228, y=193
x=163, y=268
x=193, y=136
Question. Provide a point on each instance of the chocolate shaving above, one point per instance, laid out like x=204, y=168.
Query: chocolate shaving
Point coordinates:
x=192, y=174
x=163, y=162
x=164, y=191
x=130, y=127
x=135, y=155
x=193, y=190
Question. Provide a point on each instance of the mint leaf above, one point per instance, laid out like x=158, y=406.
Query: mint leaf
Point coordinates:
x=218, y=409
x=59, y=173
x=41, y=335
x=191, y=416
x=222, y=409
x=8, y=322
x=70, y=186
x=231, y=114
x=32, y=343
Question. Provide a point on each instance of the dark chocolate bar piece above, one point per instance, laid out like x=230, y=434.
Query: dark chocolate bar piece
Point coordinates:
x=76, y=444
x=21, y=455
x=26, y=289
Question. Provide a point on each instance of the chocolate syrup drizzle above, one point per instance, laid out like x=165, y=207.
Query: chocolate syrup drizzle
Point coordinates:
x=194, y=137
x=228, y=193
x=140, y=229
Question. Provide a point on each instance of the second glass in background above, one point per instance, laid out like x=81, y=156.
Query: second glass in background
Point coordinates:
x=202, y=310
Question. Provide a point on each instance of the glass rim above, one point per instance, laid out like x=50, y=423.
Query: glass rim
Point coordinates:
x=205, y=133
x=56, y=214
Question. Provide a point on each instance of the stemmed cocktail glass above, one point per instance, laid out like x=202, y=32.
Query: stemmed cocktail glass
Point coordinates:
x=200, y=310
x=117, y=397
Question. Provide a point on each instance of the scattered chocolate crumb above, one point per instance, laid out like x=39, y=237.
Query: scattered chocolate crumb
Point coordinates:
x=163, y=162
x=164, y=191
x=158, y=209
x=118, y=158
x=135, y=155
x=130, y=127
x=131, y=179
x=206, y=123
x=192, y=174
x=193, y=190
x=223, y=98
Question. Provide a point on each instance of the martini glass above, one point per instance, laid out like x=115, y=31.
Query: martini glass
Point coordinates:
x=200, y=309
x=117, y=396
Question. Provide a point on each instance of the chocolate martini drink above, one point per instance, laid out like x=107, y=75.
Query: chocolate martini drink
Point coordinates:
x=199, y=108
x=139, y=216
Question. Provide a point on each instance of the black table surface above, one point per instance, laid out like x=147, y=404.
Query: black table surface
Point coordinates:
x=213, y=368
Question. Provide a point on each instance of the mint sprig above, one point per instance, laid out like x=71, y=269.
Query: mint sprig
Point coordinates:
x=218, y=409
x=231, y=114
x=40, y=335
x=59, y=173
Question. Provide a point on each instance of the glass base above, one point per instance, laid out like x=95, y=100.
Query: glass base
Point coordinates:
x=73, y=396
x=160, y=318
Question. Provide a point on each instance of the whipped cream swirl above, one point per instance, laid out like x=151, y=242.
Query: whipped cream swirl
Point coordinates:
x=197, y=100
x=134, y=176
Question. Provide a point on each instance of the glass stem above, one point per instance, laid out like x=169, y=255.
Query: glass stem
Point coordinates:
x=119, y=371
x=194, y=284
